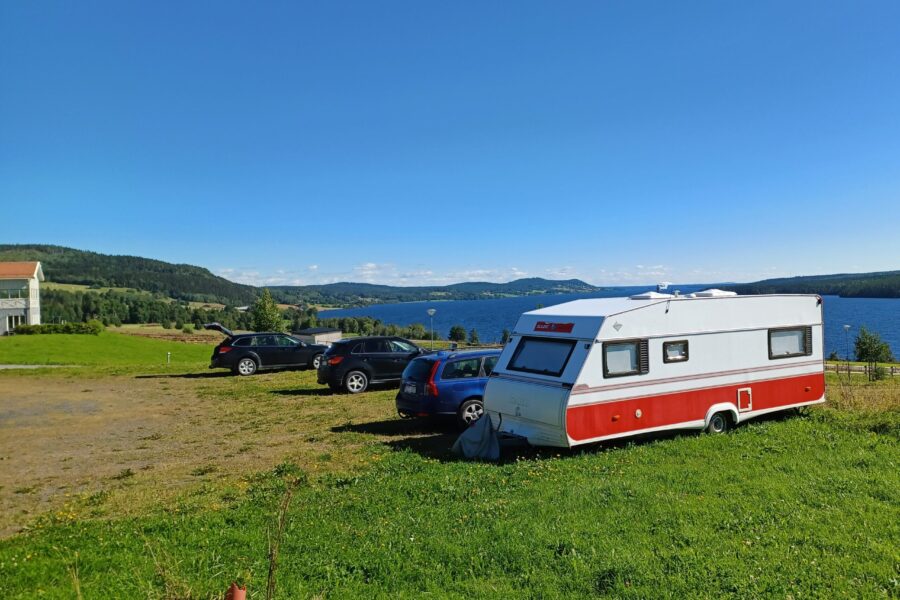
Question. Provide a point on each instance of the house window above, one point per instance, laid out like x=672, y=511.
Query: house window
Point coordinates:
x=790, y=341
x=675, y=351
x=629, y=357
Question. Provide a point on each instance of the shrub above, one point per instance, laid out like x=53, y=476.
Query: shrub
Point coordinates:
x=187, y=328
x=92, y=327
x=457, y=333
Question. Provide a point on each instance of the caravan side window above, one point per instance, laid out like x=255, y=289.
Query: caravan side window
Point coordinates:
x=790, y=341
x=675, y=351
x=631, y=357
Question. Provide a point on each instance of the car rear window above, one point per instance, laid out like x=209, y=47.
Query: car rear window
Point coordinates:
x=459, y=369
x=241, y=342
x=418, y=369
x=337, y=348
x=489, y=363
x=542, y=356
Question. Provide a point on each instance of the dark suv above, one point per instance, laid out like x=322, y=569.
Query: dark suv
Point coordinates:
x=246, y=353
x=354, y=364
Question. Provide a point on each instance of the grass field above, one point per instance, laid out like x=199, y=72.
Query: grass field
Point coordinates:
x=183, y=492
x=110, y=351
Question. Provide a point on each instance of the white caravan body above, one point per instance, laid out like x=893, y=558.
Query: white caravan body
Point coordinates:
x=599, y=369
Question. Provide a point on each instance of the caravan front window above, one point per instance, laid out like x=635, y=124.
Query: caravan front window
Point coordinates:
x=542, y=356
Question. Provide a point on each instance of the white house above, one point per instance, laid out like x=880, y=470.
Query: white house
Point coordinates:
x=20, y=298
x=318, y=335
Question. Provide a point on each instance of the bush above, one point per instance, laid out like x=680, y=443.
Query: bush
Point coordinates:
x=457, y=333
x=187, y=328
x=92, y=327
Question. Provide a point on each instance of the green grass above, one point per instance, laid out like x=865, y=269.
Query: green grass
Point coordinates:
x=107, y=350
x=797, y=507
x=792, y=508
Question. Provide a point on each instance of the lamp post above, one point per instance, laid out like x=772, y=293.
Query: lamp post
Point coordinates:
x=431, y=312
x=847, y=349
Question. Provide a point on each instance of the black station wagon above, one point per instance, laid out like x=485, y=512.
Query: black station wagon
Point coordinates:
x=247, y=353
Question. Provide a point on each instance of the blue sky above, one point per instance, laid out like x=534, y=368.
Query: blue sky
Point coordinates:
x=432, y=142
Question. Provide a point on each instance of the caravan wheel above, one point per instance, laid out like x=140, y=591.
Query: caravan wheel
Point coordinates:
x=719, y=423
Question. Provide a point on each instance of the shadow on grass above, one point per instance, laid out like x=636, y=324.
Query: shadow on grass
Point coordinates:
x=322, y=391
x=433, y=438
x=205, y=375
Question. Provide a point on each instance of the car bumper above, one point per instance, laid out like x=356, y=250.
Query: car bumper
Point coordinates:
x=327, y=376
x=421, y=406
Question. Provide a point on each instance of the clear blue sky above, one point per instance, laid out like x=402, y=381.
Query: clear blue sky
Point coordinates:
x=419, y=142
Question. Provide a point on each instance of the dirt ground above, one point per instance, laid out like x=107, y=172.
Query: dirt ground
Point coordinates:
x=128, y=444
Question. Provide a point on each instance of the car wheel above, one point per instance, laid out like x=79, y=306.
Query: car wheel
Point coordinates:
x=316, y=361
x=356, y=382
x=245, y=366
x=719, y=423
x=470, y=411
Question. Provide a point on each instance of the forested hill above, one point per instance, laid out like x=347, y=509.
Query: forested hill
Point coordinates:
x=184, y=282
x=358, y=294
x=192, y=283
x=884, y=284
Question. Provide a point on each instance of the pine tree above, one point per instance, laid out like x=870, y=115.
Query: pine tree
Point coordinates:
x=265, y=313
x=473, y=337
x=504, y=337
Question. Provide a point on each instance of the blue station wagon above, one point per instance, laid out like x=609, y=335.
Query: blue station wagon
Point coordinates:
x=446, y=383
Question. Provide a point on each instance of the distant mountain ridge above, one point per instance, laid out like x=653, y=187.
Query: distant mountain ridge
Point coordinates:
x=193, y=283
x=881, y=284
x=357, y=294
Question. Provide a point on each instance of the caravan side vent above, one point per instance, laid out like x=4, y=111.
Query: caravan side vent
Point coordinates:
x=808, y=335
x=644, y=357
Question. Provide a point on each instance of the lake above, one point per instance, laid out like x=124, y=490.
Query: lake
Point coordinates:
x=491, y=317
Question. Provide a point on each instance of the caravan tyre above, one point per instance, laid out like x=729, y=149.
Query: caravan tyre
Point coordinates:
x=470, y=411
x=719, y=423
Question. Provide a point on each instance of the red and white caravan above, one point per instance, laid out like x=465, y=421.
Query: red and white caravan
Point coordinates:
x=599, y=369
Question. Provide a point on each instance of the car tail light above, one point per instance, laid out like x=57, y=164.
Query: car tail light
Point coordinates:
x=224, y=349
x=335, y=360
x=431, y=387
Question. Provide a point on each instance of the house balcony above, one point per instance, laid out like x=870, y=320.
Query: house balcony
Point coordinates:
x=20, y=303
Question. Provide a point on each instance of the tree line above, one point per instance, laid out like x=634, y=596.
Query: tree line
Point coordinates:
x=124, y=307
x=117, y=308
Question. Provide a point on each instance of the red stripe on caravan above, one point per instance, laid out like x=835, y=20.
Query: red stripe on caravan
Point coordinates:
x=615, y=417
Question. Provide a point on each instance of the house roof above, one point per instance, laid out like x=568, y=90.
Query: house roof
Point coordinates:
x=21, y=270
x=315, y=330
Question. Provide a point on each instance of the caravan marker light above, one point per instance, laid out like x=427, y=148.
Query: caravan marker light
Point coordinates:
x=554, y=327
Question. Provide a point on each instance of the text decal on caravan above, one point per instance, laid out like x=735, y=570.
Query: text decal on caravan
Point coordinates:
x=554, y=327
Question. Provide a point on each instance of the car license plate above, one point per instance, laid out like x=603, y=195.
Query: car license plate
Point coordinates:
x=409, y=388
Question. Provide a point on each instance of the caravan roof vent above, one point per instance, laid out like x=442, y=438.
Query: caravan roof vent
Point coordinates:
x=714, y=293
x=650, y=296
